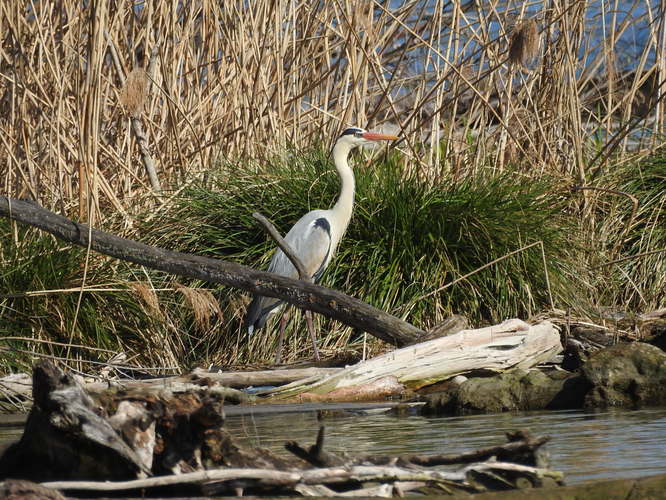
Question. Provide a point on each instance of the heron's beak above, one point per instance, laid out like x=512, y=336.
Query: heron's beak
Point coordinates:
x=371, y=136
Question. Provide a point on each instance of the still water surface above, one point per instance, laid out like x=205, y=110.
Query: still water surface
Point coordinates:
x=585, y=445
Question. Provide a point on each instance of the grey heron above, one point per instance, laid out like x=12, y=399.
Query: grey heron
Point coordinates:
x=315, y=236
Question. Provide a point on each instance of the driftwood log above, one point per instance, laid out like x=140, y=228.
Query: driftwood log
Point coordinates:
x=16, y=389
x=494, y=349
x=64, y=437
x=319, y=299
x=76, y=443
x=512, y=344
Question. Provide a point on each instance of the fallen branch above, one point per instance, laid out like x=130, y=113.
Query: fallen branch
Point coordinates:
x=19, y=385
x=522, y=449
x=268, y=477
x=319, y=299
x=315, y=454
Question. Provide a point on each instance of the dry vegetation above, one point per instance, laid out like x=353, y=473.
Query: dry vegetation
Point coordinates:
x=471, y=89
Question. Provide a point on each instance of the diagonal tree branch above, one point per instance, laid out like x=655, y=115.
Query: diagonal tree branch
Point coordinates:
x=308, y=296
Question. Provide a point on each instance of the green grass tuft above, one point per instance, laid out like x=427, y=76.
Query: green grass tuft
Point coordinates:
x=407, y=238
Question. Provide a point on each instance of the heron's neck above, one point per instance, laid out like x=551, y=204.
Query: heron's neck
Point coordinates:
x=342, y=210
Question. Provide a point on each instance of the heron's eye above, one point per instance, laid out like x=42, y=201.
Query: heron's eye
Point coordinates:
x=359, y=134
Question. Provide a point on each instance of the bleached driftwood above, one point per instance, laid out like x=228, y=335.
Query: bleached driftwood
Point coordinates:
x=265, y=377
x=511, y=344
x=322, y=476
x=18, y=387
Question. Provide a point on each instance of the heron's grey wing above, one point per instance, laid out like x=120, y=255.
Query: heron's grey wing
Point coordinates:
x=310, y=238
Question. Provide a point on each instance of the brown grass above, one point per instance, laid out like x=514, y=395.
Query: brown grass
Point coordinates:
x=202, y=304
x=148, y=297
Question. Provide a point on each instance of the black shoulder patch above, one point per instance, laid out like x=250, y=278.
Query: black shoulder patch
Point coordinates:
x=323, y=223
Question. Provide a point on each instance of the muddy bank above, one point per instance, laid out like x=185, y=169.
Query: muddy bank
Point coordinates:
x=622, y=489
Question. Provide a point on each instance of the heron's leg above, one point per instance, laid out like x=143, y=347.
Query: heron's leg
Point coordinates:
x=283, y=325
x=308, y=317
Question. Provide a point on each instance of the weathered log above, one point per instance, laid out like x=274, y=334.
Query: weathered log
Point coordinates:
x=319, y=299
x=64, y=437
x=512, y=344
x=174, y=385
x=264, y=377
x=18, y=489
x=222, y=383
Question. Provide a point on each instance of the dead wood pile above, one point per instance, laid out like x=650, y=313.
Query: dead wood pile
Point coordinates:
x=141, y=444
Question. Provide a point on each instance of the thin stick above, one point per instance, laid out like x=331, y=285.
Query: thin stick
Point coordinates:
x=53, y=342
x=141, y=136
x=545, y=272
x=67, y=359
x=492, y=262
x=634, y=207
x=630, y=257
x=313, y=335
x=284, y=246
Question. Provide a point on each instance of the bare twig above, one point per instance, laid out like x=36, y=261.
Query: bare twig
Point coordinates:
x=479, y=269
x=284, y=246
x=137, y=127
x=302, y=273
x=630, y=257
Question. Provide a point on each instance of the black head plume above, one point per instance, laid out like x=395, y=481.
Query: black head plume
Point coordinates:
x=352, y=131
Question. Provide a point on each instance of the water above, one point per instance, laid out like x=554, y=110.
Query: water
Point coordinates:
x=600, y=16
x=585, y=445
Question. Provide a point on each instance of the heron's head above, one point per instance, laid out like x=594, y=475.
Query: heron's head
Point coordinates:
x=354, y=136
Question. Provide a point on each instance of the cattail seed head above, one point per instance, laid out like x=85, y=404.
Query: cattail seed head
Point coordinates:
x=134, y=93
x=524, y=42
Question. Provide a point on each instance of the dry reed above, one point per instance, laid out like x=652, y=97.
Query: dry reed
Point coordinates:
x=202, y=304
x=231, y=81
x=148, y=297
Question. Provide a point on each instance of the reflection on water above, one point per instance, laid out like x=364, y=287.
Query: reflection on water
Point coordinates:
x=585, y=445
